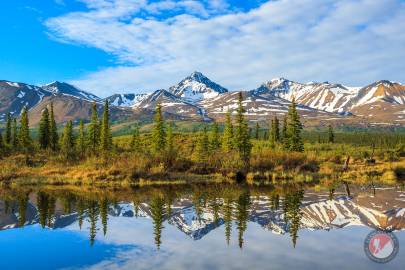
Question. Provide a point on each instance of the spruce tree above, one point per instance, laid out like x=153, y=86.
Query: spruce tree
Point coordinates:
x=331, y=135
x=294, y=128
x=2, y=145
x=135, y=140
x=105, y=134
x=53, y=130
x=257, y=131
x=8, y=130
x=44, y=128
x=272, y=136
x=276, y=129
x=68, y=141
x=24, y=139
x=93, y=134
x=242, y=138
x=81, y=140
x=170, y=139
x=284, y=130
x=202, y=147
x=227, y=138
x=158, y=133
x=14, y=137
x=214, y=138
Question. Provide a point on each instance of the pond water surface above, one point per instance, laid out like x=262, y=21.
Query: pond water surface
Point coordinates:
x=197, y=227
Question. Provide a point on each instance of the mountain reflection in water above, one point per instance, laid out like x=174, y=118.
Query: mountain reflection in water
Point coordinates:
x=198, y=210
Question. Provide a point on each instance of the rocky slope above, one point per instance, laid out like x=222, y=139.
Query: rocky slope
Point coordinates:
x=322, y=96
x=126, y=100
x=14, y=96
x=382, y=101
x=66, y=89
x=171, y=104
x=71, y=108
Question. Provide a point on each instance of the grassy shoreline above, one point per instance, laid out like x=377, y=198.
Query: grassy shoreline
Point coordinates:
x=116, y=174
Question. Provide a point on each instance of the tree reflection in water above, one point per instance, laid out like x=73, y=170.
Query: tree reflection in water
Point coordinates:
x=203, y=207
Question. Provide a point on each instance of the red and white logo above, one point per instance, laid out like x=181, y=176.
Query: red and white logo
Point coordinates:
x=381, y=246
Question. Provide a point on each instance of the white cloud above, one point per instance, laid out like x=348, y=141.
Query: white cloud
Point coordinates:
x=352, y=41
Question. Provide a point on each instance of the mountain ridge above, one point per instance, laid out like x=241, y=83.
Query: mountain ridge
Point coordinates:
x=198, y=98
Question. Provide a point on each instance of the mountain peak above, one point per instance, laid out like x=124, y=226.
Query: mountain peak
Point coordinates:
x=196, y=88
x=64, y=88
x=197, y=75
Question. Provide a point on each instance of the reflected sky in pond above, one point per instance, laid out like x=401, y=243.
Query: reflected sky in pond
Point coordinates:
x=198, y=227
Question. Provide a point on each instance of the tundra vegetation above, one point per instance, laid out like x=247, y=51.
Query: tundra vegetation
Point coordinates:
x=236, y=150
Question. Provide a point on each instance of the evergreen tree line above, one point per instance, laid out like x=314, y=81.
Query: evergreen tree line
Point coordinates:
x=94, y=140
x=234, y=138
x=17, y=135
x=288, y=135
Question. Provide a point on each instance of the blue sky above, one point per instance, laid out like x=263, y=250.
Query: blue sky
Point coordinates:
x=109, y=46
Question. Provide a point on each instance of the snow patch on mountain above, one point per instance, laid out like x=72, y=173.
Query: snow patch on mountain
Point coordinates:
x=126, y=100
x=321, y=96
x=69, y=90
x=196, y=88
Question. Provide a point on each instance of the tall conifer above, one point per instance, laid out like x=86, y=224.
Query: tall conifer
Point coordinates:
x=2, y=145
x=44, y=130
x=214, y=138
x=14, y=137
x=105, y=134
x=158, y=133
x=170, y=139
x=53, y=130
x=242, y=138
x=8, y=129
x=68, y=141
x=135, y=140
x=284, y=130
x=294, y=128
x=272, y=136
x=202, y=147
x=227, y=137
x=24, y=138
x=93, y=134
x=276, y=129
x=81, y=140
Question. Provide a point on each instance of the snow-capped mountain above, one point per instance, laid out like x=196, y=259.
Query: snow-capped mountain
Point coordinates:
x=258, y=107
x=198, y=98
x=14, y=96
x=126, y=100
x=69, y=90
x=196, y=88
x=382, y=101
x=386, y=91
x=171, y=104
x=322, y=96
